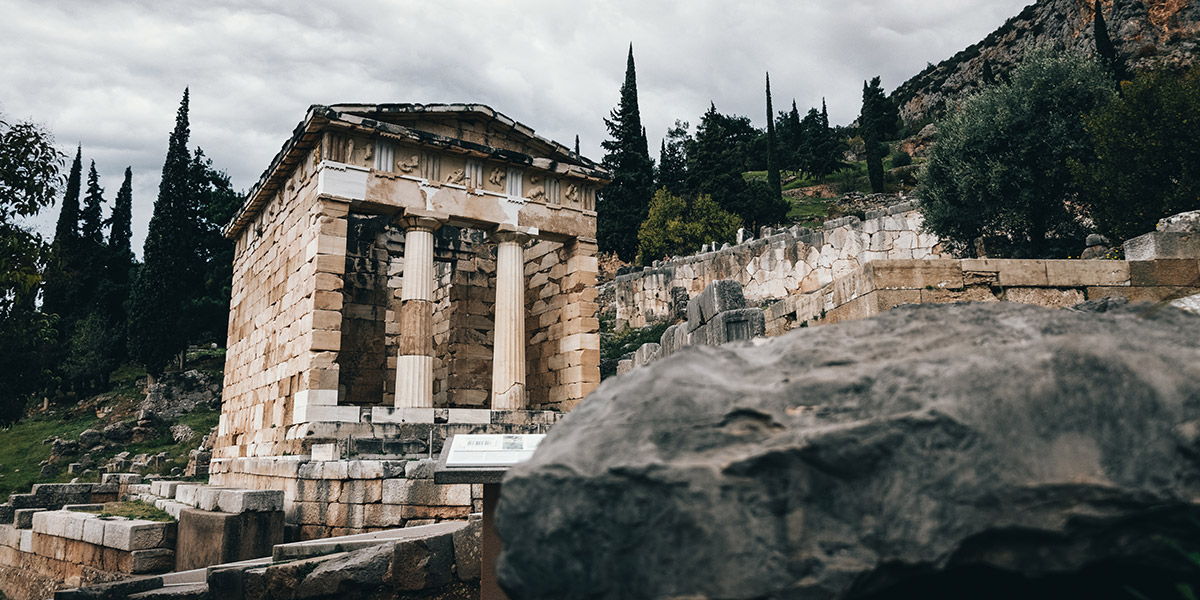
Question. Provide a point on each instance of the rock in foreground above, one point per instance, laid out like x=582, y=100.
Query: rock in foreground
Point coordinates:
x=839, y=461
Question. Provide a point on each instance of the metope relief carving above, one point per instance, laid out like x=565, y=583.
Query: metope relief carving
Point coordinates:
x=408, y=166
x=497, y=176
x=457, y=177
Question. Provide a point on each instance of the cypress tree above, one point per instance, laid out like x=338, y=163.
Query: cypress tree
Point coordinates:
x=624, y=204
x=59, y=286
x=799, y=150
x=90, y=216
x=577, y=153
x=156, y=330
x=1105, y=48
x=875, y=122
x=120, y=232
x=772, y=165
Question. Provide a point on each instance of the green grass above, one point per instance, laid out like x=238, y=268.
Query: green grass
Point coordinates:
x=21, y=448
x=135, y=509
x=808, y=212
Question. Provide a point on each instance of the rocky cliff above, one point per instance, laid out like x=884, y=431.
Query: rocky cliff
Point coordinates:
x=1146, y=33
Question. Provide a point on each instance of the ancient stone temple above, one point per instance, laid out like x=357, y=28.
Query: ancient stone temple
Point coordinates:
x=404, y=272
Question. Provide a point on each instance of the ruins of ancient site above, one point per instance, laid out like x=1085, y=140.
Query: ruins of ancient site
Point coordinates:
x=937, y=342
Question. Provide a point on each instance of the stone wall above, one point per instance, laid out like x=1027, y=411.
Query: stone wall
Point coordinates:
x=285, y=315
x=563, y=356
x=881, y=285
x=792, y=261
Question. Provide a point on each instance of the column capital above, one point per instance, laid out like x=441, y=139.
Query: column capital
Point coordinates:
x=419, y=222
x=500, y=236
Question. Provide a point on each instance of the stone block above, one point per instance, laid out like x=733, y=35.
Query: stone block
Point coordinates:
x=164, y=488
x=159, y=560
x=1010, y=272
x=121, y=478
x=26, y=543
x=207, y=497
x=717, y=297
x=734, y=325
x=361, y=491
x=135, y=534
x=423, y=563
x=1048, y=297
x=646, y=353
x=1165, y=272
x=93, y=531
x=419, y=469
x=186, y=493
x=1078, y=273
x=325, y=452
x=6, y=513
x=240, y=501
x=49, y=522
x=470, y=415
x=23, y=517
x=914, y=274
x=1163, y=244
x=207, y=538
x=425, y=493
x=364, y=469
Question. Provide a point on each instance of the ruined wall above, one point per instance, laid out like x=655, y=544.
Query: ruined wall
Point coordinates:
x=561, y=324
x=881, y=285
x=795, y=260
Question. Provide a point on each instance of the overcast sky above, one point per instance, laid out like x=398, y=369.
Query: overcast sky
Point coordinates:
x=109, y=75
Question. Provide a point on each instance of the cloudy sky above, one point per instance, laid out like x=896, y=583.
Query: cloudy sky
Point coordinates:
x=109, y=75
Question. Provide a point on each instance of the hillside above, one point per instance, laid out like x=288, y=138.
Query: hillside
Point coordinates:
x=1146, y=33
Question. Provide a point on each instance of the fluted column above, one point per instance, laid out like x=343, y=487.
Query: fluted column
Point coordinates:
x=508, y=351
x=414, y=365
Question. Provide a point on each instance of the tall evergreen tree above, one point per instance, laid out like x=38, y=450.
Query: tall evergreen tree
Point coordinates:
x=1105, y=48
x=577, y=153
x=672, y=159
x=67, y=228
x=989, y=77
x=877, y=121
x=114, y=290
x=58, y=288
x=156, y=329
x=772, y=164
x=90, y=216
x=624, y=204
x=208, y=307
x=120, y=231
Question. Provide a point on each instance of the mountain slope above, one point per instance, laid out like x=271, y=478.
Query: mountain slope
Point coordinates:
x=1146, y=33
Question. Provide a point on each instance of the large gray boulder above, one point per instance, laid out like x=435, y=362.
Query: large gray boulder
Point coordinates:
x=838, y=461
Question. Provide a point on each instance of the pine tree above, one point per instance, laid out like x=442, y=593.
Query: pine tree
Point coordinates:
x=624, y=204
x=156, y=328
x=799, y=149
x=772, y=165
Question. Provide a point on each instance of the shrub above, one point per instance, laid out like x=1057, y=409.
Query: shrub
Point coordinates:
x=1000, y=169
x=900, y=158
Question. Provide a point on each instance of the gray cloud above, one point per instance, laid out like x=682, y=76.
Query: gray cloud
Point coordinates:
x=109, y=75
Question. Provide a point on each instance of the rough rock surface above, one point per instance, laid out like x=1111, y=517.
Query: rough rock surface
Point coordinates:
x=1146, y=33
x=836, y=461
x=177, y=395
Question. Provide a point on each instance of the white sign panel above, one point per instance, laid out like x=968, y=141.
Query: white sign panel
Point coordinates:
x=492, y=449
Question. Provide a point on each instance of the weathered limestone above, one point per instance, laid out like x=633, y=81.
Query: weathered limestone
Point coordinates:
x=508, y=362
x=364, y=291
x=414, y=367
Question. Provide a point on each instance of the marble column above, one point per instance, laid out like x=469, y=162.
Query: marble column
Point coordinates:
x=508, y=353
x=414, y=365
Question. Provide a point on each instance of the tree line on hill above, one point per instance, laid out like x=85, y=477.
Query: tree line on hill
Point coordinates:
x=1065, y=146
x=697, y=191
x=99, y=307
